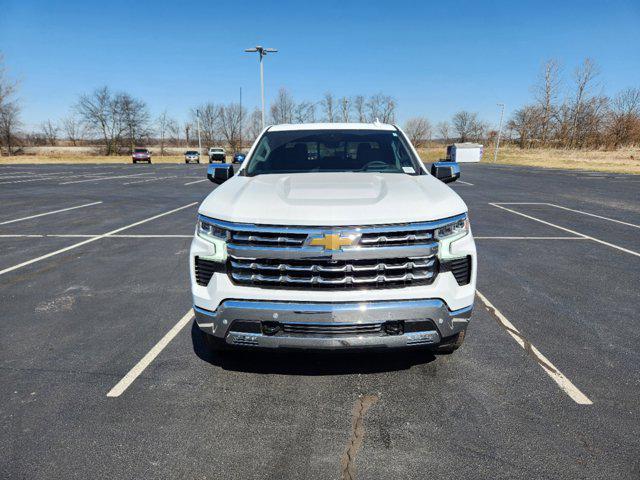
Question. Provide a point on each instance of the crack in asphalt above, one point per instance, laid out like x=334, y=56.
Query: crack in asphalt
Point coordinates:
x=347, y=462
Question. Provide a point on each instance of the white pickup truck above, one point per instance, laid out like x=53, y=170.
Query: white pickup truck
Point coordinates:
x=333, y=236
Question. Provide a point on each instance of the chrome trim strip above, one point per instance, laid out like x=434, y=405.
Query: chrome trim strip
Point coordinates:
x=333, y=342
x=318, y=253
x=318, y=230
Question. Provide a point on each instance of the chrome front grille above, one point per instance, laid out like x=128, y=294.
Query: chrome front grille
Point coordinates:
x=322, y=257
x=386, y=273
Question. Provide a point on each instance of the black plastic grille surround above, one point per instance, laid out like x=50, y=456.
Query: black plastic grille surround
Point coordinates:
x=205, y=270
x=460, y=267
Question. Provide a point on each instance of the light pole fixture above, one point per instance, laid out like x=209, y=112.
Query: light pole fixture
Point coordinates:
x=261, y=53
x=495, y=155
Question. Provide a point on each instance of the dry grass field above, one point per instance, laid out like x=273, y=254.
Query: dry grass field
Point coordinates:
x=614, y=161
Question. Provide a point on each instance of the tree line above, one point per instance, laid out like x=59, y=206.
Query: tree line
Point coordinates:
x=564, y=113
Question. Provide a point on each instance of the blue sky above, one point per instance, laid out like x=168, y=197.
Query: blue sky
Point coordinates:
x=435, y=58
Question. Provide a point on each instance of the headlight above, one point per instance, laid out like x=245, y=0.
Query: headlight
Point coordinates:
x=216, y=237
x=459, y=228
x=209, y=231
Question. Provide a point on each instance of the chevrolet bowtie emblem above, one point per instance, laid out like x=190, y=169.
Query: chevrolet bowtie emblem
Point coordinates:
x=333, y=241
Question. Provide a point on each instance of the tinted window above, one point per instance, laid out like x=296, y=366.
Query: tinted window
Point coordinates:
x=331, y=151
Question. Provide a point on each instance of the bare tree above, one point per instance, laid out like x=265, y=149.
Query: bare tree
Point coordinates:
x=50, y=132
x=418, y=129
x=359, y=107
x=254, y=124
x=328, y=105
x=444, y=130
x=463, y=124
x=209, y=119
x=584, y=77
x=283, y=107
x=163, y=124
x=9, y=110
x=230, y=123
x=173, y=129
x=305, y=112
x=381, y=107
x=136, y=119
x=524, y=123
x=99, y=111
x=479, y=130
x=546, y=95
x=624, y=118
x=345, y=109
x=73, y=129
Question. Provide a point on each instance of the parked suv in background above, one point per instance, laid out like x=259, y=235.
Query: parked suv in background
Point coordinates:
x=217, y=154
x=141, y=155
x=192, y=156
x=333, y=236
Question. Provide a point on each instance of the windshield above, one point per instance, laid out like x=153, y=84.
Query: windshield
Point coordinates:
x=192, y=153
x=141, y=150
x=306, y=151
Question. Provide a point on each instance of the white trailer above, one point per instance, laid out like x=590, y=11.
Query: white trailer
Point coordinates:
x=465, y=152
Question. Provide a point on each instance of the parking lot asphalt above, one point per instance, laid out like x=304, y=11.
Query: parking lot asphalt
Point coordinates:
x=94, y=273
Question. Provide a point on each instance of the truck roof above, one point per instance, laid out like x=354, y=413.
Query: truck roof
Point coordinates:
x=332, y=126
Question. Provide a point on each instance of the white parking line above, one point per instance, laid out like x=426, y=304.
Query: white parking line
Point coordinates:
x=530, y=238
x=92, y=239
x=139, y=367
x=597, y=240
x=197, y=181
x=49, y=213
x=153, y=179
x=563, y=382
x=107, y=178
x=464, y=183
x=596, y=216
x=71, y=235
x=571, y=210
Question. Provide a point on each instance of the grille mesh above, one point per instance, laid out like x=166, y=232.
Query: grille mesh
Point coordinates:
x=328, y=274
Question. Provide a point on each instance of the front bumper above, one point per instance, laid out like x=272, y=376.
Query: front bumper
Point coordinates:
x=435, y=319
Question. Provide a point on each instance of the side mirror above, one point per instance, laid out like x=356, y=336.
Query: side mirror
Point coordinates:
x=220, y=173
x=446, y=171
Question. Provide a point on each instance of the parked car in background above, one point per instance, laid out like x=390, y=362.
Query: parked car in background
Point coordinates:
x=217, y=154
x=191, y=156
x=141, y=155
x=238, y=157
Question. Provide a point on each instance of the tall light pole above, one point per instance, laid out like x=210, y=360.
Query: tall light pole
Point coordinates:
x=495, y=155
x=261, y=53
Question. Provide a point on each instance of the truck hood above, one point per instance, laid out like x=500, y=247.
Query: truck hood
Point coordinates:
x=331, y=199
